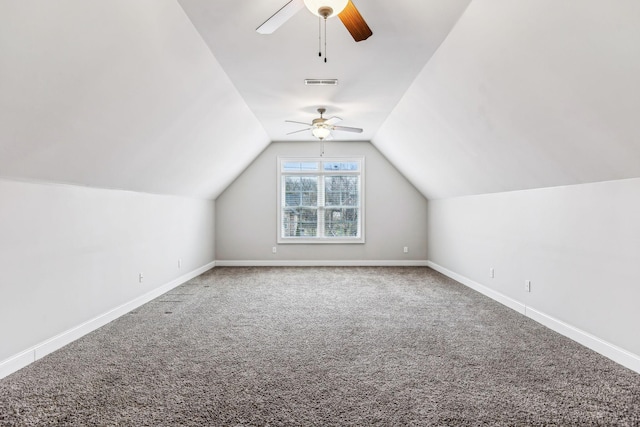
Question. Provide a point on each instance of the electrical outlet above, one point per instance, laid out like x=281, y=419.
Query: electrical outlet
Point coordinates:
x=406, y=249
x=140, y=277
x=274, y=250
x=527, y=285
x=492, y=273
x=179, y=262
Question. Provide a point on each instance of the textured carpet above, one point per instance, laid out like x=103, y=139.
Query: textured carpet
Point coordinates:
x=322, y=347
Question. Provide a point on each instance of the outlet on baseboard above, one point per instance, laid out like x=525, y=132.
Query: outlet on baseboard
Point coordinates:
x=406, y=249
x=274, y=250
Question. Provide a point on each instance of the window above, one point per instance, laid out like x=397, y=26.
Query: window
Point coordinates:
x=320, y=200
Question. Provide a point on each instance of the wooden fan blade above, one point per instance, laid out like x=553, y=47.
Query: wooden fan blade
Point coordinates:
x=355, y=23
x=298, y=131
x=280, y=17
x=346, y=129
x=300, y=123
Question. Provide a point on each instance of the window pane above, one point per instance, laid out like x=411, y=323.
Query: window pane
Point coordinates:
x=299, y=166
x=340, y=166
x=299, y=222
x=341, y=222
x=292, y=183
x=300, y=190
x=341, y=190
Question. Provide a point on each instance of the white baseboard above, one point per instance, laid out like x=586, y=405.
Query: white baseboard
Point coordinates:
x=497, y=296
x=17, y=362
x=38, y=351
x=321, y=263
x=611, y=351
x=24, y=358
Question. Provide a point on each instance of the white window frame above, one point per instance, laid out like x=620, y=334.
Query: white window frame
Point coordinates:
x=321, y=174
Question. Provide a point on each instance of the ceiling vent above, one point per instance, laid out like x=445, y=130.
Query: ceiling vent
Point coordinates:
x=321, y=82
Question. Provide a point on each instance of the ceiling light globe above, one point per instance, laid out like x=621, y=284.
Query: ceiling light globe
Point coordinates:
x=320, y=132
x=315, y=5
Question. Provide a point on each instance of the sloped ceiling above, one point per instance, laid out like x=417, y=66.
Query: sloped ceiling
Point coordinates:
x=179, y=97
x=269, y=70
x=118, y=94
x=523, y=94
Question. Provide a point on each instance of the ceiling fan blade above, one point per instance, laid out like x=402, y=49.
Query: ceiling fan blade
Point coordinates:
x=355, y=23
x=300, y=123
x=333, y=120
x=280, y=17
x=346, y=129
x=298, y=131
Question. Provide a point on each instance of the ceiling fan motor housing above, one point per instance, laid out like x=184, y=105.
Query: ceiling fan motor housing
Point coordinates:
x=325, y=12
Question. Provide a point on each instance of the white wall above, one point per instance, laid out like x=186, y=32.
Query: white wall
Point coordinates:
x=579, y=245
x=70, y=254
x=246, y=214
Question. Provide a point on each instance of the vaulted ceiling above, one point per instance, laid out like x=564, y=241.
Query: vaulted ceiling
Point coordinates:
x=178, y=97
x=523, y=94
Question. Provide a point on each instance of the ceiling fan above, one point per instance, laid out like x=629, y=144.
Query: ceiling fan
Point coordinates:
x=344, y=9
x=321, y=128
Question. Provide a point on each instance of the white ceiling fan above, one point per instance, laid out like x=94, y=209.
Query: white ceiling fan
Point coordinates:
x=321, y=128
x=344, y=9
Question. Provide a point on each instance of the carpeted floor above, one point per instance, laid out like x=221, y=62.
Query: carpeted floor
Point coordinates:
x=322, y=347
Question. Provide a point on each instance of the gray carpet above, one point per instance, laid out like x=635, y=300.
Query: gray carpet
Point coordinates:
x=322, y=347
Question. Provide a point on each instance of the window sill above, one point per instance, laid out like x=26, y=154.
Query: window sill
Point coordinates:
x=321, y=241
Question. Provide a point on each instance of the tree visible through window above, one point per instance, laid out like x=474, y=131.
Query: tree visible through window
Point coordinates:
x=320, y=200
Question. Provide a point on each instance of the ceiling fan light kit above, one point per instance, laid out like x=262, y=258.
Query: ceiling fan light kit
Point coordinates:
x=321, y=128
x=320, y=132
x=326, y=8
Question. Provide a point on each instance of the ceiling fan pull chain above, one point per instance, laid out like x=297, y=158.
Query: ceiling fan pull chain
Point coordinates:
x=325, y=40
x=320, y=36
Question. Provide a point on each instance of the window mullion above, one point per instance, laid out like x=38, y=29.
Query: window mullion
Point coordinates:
x=321, y=201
